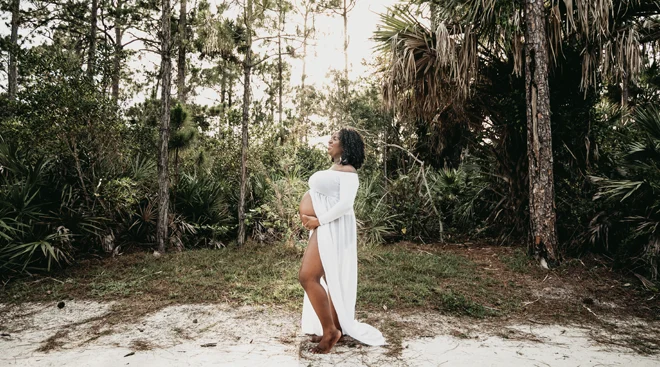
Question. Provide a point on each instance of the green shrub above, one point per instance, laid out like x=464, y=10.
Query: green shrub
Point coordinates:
x=629, y=222
x=30, y=237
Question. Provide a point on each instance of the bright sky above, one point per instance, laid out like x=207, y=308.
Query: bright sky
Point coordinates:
x=329, y=51
x=325, y=51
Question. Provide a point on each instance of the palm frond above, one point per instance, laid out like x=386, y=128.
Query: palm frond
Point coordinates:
x=615, y=189
x=427, y=69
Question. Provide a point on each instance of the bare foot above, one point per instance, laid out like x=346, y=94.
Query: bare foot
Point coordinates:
x=317, y=339
x=327, y=342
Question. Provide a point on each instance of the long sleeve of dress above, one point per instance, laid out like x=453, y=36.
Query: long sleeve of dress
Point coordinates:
x=348, y=187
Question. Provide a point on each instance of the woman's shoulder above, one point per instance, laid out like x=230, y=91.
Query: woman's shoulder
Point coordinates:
x=344, y=169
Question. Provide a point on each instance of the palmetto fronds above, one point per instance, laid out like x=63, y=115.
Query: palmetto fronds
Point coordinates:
x=432, y=66
x=375, y=219
x=637, y=193
x=427, y=68
x=141, y=168
x=28, y=237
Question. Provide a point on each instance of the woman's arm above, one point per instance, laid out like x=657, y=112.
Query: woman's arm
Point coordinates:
x=348, y=187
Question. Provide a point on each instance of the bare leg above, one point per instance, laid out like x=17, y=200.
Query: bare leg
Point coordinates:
x=310, y=275
x=335, y=319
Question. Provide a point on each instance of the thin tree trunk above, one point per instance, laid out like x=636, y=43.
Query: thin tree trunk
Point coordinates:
x=345, y=15
x=181, y=64
x=91, y=60
x=116, y=72
x=625, y=94
x=385, y=142
x=176, y=165
x=625, y=87
x=73, y=146
x=163, y=176
x=280, y=27
x=105, y=34
x=539, y=137
x=271, y=105
x=247, y=69
x=223, y=88
x=300, y=130
x=13, y=66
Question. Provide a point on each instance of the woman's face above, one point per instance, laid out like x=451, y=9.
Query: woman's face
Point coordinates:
x=334, y=145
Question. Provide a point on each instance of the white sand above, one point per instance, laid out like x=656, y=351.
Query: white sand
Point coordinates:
x=258, y=336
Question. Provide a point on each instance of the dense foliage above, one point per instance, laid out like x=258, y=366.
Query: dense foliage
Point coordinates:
x=78, y=163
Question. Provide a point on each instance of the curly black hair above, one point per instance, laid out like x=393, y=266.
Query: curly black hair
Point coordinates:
x=353, y=147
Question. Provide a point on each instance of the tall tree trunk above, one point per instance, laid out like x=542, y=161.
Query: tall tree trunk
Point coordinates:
x=301, y=130
x=271, y=104
x=181, y=64
x=223, y=87
x=247, y=70
x=91, y=60
x=116, y=72
x=345, y=15
x=163, y=176
x=280, y=25
x=539, y=137
x=13, y=66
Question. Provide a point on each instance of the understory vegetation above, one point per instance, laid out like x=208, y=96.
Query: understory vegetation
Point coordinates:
x=78, y=169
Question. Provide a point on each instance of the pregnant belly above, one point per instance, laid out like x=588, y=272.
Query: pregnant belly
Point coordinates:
x=306, y=207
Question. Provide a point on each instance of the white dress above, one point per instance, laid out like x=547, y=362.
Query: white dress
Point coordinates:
x=333, y=194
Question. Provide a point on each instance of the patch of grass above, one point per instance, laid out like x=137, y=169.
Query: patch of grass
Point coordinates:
x=458, y=304
x=517, y=261
x=114, y=288
x=403, y=278
x=398, y=277
x=250, y=275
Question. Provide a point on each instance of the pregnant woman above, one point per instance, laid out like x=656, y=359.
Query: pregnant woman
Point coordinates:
x=329, y=266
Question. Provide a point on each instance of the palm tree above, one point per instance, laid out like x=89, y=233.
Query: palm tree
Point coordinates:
x=439, y=68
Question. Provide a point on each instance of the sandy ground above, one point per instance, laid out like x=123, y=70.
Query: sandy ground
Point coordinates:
x=219, y=335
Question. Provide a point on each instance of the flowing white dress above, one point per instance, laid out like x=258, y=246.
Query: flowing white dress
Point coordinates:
x=333, y=194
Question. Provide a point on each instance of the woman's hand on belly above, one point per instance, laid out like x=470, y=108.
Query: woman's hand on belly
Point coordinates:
x=309, y=222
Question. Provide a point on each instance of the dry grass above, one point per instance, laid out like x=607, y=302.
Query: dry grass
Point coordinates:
x=54, y=342
x=140, y=345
